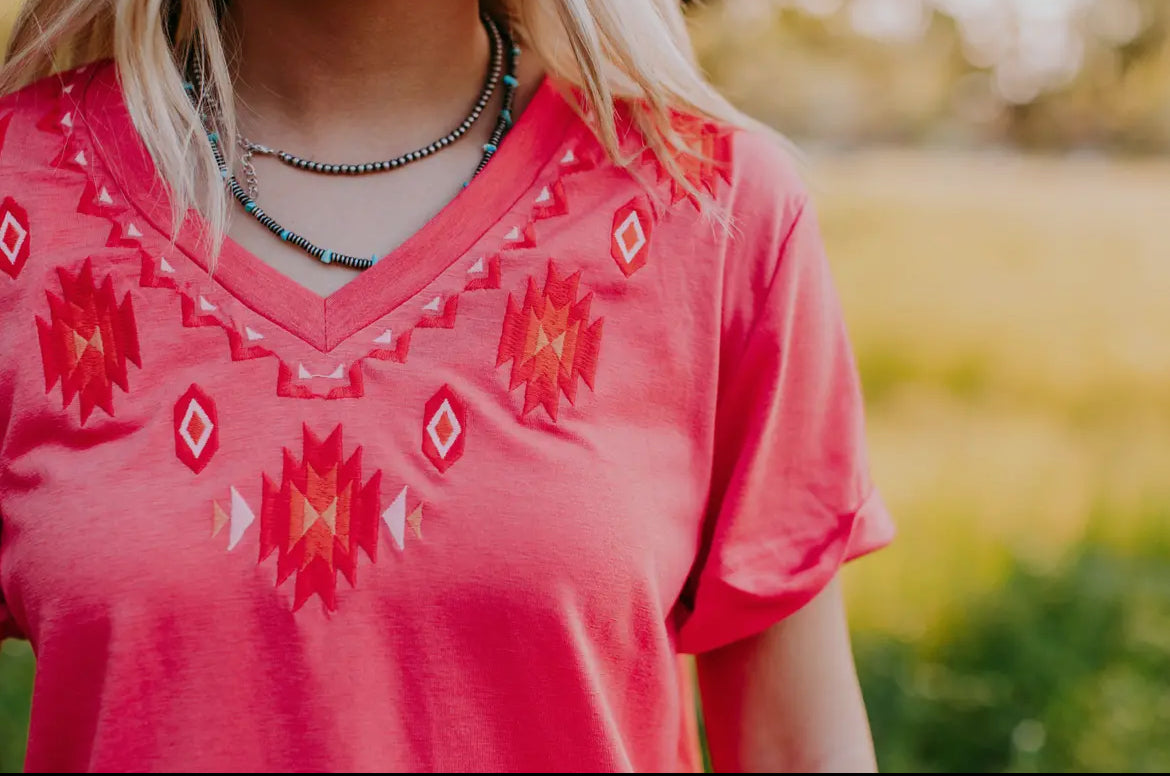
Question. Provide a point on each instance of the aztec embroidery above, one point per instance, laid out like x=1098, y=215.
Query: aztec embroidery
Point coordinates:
x=550, y=342
x=239, y=517
x=630, y=242
x=710, y=159
x=87, y=341
x=444, y=428
x=14, y=237
x=319, y=516
x=196, y=428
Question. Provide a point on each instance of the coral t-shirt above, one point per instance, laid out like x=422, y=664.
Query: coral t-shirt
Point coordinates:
x=463, y=514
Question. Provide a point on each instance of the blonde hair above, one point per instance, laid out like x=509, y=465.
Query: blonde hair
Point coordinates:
x=610, y=51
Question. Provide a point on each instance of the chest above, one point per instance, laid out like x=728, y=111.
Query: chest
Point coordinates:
x=526, y=424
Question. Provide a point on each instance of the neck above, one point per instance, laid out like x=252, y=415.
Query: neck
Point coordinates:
x=311, y=63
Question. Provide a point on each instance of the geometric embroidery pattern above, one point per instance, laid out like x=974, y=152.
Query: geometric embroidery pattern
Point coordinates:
x=196, y=428
x=444, y=428
x=550, y=342
x=550, y=202
x=630, y=241
x=87, y=341
x=709, y=159
x=397, y=518
x=14, y=237
x=319, y=516
x=238, y=516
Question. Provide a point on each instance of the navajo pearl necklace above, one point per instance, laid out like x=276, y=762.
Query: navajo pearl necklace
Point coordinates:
x=501, y=42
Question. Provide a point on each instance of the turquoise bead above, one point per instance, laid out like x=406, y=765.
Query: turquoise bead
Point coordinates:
x=213, y=137
x=373, y=258
x=250, y=206
x=223, y=174
x=327, y=257
x=189, y=86
x=285, y=234
x=515, y=51
x=489, y=148
x=510, y=80
x=506, y=115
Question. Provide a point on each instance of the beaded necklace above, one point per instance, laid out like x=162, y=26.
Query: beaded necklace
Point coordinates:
x=501, y=42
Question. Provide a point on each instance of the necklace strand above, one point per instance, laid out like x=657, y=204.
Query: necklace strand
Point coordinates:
x=501, y=41
x=492, y=81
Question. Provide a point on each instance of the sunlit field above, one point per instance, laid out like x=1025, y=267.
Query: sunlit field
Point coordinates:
x=1010, y=317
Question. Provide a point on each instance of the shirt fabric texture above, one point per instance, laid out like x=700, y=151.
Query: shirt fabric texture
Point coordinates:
x=463, y=514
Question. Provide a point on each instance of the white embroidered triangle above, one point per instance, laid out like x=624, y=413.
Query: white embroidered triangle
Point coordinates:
x=337, y=373
x=395, y=519
x=433, y=305
x=67, y=89
x=514, y=234
x=132, y=230
x=477, y=267
x=303, y=373
x=569, y=157
x=242, y=517
x=67, y=120
x=80, y=159
x=544, y=196
x=385, y=338
x=205, y=305
x=252, y=334
x=165, y=265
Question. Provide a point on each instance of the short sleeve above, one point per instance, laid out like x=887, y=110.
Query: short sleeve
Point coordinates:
x=791, y=496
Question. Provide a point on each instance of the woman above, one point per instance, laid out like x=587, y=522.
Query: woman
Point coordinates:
x=320, y=452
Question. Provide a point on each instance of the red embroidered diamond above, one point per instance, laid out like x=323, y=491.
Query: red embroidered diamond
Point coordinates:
x=196, y=428
x=632, y=225
x=444, y=428
x=14, y=237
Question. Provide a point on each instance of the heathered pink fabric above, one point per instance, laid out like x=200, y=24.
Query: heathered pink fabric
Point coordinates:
x=465, y=513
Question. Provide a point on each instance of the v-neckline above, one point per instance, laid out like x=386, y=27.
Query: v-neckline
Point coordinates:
x=326, y=321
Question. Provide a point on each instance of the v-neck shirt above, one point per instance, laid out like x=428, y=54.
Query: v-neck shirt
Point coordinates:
x=466, y=512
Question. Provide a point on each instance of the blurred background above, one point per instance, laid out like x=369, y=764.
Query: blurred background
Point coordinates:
x=993, y=180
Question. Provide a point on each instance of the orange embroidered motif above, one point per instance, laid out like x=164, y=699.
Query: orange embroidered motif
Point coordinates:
x=14, y=237
x=710, y=160
x=414, y=520
x=87, y=341
x=444, y=428
x=550, y=342
x=196, y=428
x=318, y=517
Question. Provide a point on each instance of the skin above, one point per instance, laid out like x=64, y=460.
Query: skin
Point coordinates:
x=787, y=699
x=320, y=80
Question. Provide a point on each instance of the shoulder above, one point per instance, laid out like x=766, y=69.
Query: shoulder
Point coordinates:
x=37, y=120
x=45, y=173
x=744, y=177
x=765, y=195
